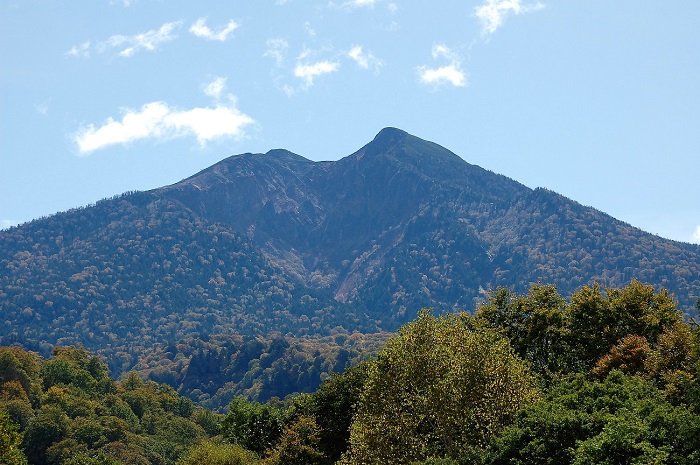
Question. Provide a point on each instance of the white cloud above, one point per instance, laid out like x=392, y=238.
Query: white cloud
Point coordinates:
x=443, y=74
x=80, y=51
x=492, y=13
x=276, y=49
x=309, y=30
x=365, y=60
x=145, y=41
x=352, y=4
x=208, y=124
x=696, y=235
x=148, y=122
x=451, y=73
x=42, y=108
x=216, y=87
x=129, y=45
x=157, y=120
x=200, y=29
x=306, y=69
x=308, y=72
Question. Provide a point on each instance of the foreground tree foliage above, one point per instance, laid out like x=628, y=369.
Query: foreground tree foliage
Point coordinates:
x=10, y=440
x=252, y=425
x=619, y=420
x=299, y=445
x=558, y=338
x=608, y=376
x=70, y=411
x=333, y=407
x=437, y=388
x=217, y=453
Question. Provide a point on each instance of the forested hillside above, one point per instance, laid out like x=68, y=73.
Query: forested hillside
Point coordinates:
x=603, y=376
x=212, y=372
x=404, y=223
x=274, y=247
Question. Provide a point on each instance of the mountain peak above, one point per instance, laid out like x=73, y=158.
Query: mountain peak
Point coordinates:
x=390, y=134
x=385, y=140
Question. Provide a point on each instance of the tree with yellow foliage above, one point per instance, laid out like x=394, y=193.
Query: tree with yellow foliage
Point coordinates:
x=439, y=388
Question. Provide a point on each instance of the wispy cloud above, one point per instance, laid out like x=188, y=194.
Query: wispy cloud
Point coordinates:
x=200, y=29
x=307, y=72
x=696, y=235
x=149, y=40
x=306, y=68
x=493, y=12
x=365, y=60
x=351, y=4
x=127, y=46
x=360, y=3
x=354, y=5
x=309, y=30
x=215, y=88
x=451, y=73
x=157, y=120
x=42, y=108
x=80, y=51
x=277, y=50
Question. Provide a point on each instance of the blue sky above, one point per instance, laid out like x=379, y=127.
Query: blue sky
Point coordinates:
x=597, y=100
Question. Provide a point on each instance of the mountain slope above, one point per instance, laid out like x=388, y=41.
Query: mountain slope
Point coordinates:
x=275, y=242
x=370, y=226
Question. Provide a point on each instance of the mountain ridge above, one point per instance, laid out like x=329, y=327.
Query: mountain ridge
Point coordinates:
x=276, y=242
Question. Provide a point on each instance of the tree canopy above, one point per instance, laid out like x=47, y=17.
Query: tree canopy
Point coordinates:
x=437, y=388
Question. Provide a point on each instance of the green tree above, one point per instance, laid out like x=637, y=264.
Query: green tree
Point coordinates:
x=17, y=365
x=212, y=453
x=93, y=458
x=678, y=348
x=63, y=450
x=254, y=426
x=534, y=324
x=208, y=420
x=436, y=389
x=558, y=338
x=619, y=420
x=299, y=445
x=132, y=381
x=333, y=407
x=596, y=322
x=10, y=440
x=141, y=400
x=49, y=426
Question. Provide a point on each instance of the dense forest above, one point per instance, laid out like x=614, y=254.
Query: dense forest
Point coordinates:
x=607, y=375
x=214, y=371
x=155, y=277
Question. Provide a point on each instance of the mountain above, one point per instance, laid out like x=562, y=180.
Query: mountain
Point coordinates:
x=275, y=243
x=404, y=223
